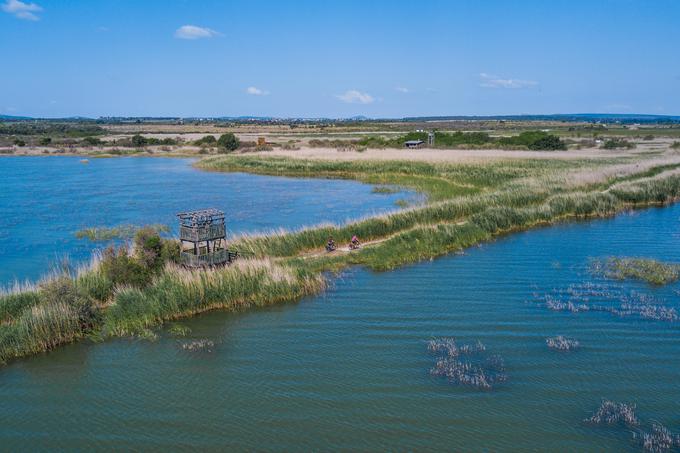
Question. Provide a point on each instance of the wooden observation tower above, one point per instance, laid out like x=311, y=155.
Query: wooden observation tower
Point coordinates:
x=202, y=236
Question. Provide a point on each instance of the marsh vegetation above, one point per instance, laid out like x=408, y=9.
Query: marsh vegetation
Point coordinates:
x=131, y=291
x=97, y=234
x=466, y=364
x=648, y=270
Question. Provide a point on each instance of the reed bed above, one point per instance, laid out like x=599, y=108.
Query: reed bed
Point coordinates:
x=202, y=345
x=97, y=234
x=178, y=292
x=613, y=413
x=178, y=330
x=562, y=343
x=658, y=439
x=477, y=369
x=655, y=439
x=652, y=271
x=619, y=301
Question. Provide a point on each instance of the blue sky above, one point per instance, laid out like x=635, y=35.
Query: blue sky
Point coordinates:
x=337, y=59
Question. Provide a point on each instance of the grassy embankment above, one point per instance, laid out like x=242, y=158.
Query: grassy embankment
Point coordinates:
x=127, y=293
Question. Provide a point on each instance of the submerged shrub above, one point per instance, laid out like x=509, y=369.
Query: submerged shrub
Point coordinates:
x=483, y=373
x=562, y=343
x=203, y=345
x=658, y=439
x=612, y=413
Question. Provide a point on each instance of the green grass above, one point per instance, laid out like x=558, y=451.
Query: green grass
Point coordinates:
x=179, y=292
x=385, y=189
x=98, y=234
x=648, y=270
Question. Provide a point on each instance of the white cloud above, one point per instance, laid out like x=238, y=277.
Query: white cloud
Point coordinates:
x=355, y=97
x=402, y=89
x=22, y=10
x=492, y=81
x=256, y=91
x=194, y=32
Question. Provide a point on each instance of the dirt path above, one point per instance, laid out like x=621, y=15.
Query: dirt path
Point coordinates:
x=367, y=244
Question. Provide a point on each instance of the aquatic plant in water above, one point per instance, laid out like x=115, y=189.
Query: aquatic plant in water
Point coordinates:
x=613, y=413
x=652, y=271
x=97, y=234
x=483, y=373
x=657, y=439
x=179, y=330
x=562, y=343
x=589, y=296
x=203, y=345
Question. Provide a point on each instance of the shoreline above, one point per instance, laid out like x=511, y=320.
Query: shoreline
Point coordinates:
x=436, y=228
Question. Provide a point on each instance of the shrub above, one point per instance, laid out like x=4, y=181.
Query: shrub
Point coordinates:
x=148, y=248
x=460, y=138
x=122, y=269
x=19, y=142
x=92, y=141
x=228, y=142
x=138, y=140
x=208, y=140
x=62, y=290
x=45, y=141
x=534, y=140
x=616, y=143
x=675, y=145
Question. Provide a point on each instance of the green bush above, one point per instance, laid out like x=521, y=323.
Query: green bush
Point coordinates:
x=534, y=140
x=63, y=290
x=460, y=138
x=122, y=269
x=139, y=141
x=19, y=142
x=228, y=142
x=208, y=140
x=92, y=141
x=616, y=143
x=45, y=141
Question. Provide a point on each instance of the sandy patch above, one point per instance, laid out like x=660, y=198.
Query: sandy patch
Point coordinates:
x=442, y=155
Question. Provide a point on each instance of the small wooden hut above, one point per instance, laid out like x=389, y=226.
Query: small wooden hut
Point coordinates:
x=412, y=144
x=202, y=235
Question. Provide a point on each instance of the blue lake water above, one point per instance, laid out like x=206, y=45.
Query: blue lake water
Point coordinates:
x=45, y=201
x=349, y=369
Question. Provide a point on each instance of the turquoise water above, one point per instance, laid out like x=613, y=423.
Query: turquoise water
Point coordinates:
x=45, y=201
x=349, y=369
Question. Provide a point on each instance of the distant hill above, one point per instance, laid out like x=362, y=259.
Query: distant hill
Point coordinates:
x=14, y=118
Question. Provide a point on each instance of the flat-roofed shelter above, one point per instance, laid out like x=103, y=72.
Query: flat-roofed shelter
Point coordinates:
x=414, y=144
x=202, y=235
